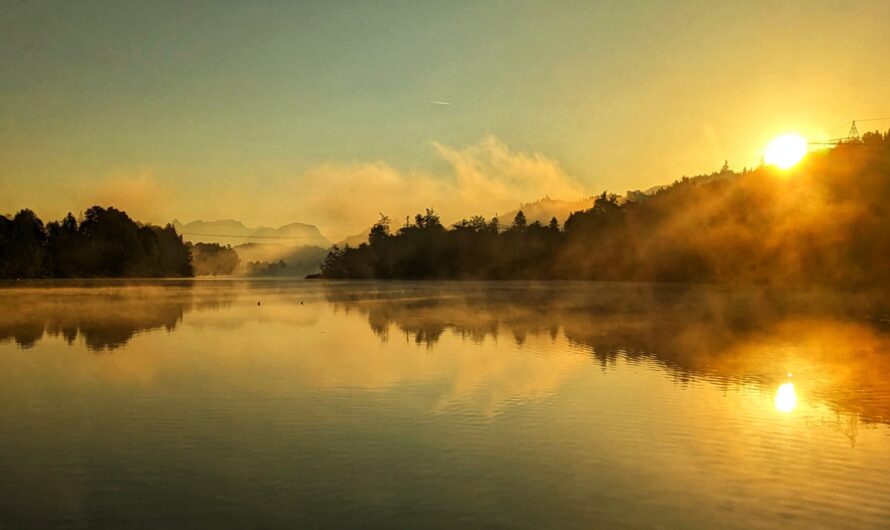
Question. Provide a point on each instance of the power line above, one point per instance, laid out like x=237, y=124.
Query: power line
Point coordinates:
x=838, y=126
x=250, y=236
x=852, y=135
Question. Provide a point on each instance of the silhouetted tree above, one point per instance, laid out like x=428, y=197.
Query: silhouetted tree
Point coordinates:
x=333, y=265
x=519, y=221
x=428, y=221
x=106, y=243
x=64, y=247
x=265, y=268
x=380, y=231
x=22, y=246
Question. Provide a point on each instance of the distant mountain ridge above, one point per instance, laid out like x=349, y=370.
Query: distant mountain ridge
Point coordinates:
x=233, y=232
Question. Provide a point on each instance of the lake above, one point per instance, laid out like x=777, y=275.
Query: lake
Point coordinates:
x=295, y=404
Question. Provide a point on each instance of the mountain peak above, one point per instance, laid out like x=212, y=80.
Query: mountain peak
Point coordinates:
x=234, y=232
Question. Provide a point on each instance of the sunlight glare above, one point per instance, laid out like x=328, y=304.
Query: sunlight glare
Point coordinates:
x=785, y=151
x=786, y=398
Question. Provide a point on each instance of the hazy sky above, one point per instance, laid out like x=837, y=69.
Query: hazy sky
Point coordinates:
x=324, y=112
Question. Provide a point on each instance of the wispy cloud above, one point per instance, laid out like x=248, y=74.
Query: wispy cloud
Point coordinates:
x=444, y=103
x=485, y=178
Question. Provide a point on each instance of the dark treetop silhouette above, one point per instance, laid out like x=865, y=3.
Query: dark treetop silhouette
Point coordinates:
x=105, y=243
x=825, y=221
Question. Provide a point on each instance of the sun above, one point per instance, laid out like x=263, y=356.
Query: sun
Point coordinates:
x=786, y=398
x=785, y=151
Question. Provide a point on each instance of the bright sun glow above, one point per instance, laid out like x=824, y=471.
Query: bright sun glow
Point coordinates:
x=786, y=398
x=786, y=150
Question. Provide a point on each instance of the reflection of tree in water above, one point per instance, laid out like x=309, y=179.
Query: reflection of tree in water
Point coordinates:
x=718, y=334
x=418, y=313
x=106, y=317
x=847, y=423
x=521, y=309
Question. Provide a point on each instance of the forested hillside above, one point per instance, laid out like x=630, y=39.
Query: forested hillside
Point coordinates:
x=823, y=221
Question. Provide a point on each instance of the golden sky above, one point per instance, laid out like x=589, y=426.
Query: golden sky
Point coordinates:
x=328, y=112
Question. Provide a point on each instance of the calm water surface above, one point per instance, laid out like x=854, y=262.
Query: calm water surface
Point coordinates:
x=186, y=404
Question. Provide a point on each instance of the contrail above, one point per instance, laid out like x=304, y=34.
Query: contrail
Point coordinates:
x=441, y=103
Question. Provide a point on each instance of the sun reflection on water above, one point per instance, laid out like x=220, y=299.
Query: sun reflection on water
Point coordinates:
x=786, y=398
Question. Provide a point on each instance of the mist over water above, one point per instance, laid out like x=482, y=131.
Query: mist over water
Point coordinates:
x=292, y=404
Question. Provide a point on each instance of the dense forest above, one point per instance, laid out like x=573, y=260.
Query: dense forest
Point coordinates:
x=825, y=221
x=104, y=243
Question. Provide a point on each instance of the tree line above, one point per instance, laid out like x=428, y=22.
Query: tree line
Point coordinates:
x=104, y=243
x=107, y=243
x=825, y=221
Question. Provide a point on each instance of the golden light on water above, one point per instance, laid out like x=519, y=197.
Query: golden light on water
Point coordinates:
x=785, y=151
x=786, y=398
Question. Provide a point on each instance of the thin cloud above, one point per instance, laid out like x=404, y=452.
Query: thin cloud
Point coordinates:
x=484, y=178
x=139, y=193
x=444, y=103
